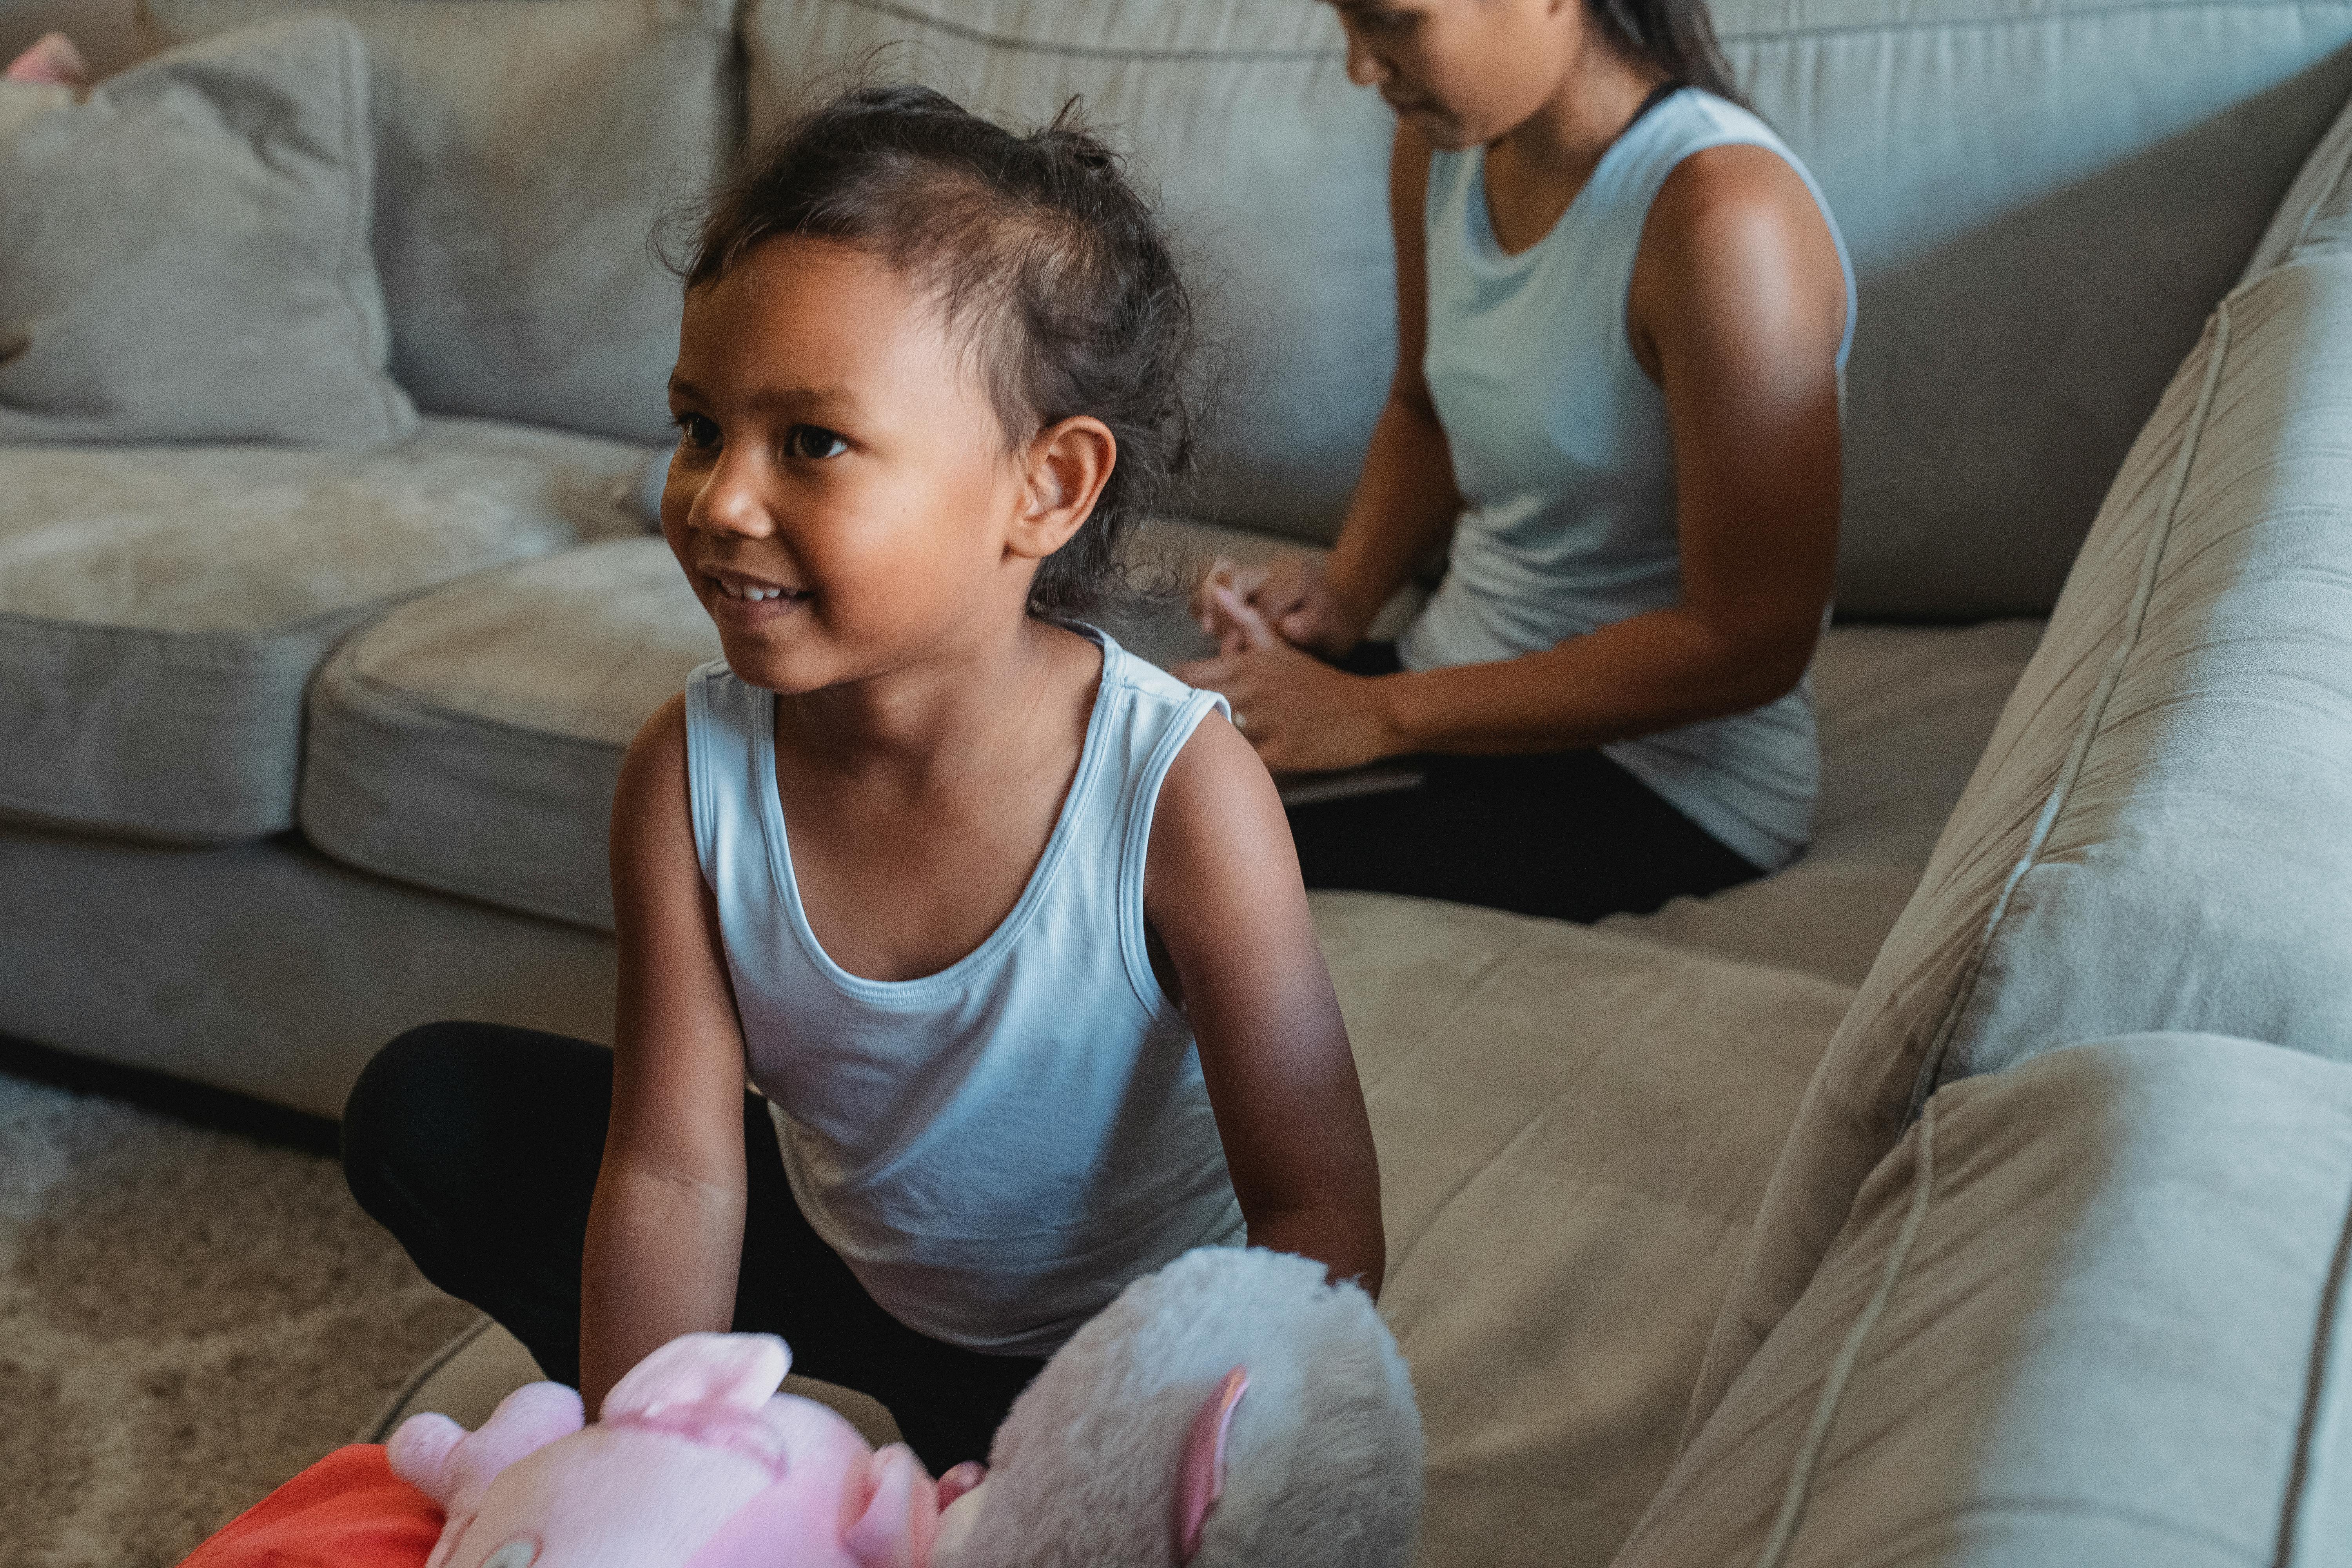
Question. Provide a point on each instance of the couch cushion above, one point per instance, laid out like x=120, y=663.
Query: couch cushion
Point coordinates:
x=2154, y=837
x=470, y=741
x=2044, y=201
x=1905, y=712
x=1273, y=168
x=161, y=608
x=524, y=148
x=1573, y=1128
x=2089, y=1311
x=184, y=252
x=264, y=967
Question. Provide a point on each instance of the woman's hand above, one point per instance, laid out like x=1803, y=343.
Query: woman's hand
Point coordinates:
x=1302, y=715
x=1293, y=594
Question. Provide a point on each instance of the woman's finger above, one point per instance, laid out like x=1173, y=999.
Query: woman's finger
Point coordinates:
x=1244, y=621
x=1284, y=586
x=1221, y=572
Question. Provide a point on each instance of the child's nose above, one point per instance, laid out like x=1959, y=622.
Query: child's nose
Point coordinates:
x=729, y=503
x=1365, y=68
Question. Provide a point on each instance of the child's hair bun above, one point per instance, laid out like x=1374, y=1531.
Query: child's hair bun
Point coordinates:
x=1039, y=245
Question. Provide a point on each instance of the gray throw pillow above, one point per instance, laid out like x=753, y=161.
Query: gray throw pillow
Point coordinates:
x=183, y=251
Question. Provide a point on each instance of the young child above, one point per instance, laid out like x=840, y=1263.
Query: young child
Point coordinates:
x=1003, y=924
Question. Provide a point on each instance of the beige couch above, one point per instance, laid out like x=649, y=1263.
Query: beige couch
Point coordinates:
x=314, y=746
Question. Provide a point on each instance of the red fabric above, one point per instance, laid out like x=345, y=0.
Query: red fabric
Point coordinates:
x=348, y=1510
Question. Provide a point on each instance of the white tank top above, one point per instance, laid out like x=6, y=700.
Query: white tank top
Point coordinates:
x=996, y=1149
x=1566, y=467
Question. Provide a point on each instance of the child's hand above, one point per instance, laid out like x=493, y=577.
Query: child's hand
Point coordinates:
x=1293, y=596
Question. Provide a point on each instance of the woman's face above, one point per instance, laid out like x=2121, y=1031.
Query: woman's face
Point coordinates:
x=1462, y=72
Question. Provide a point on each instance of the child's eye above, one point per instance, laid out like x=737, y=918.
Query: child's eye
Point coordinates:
x=813, y=442
x=696, y=431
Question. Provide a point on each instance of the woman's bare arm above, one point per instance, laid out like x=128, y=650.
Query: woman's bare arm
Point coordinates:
x=1406, y=500
x=1222, y=895
x=1738, y=308
x=665, y=1230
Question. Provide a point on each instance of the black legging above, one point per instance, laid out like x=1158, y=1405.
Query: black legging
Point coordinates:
x=477, y=1145
x=1565, y=834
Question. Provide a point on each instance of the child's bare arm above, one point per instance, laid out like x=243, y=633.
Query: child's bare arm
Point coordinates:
x=1222, y=895
x=665, y=1230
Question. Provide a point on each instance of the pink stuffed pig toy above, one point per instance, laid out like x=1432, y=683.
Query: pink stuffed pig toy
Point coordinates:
x=1232, y=1410
x=699, y=1462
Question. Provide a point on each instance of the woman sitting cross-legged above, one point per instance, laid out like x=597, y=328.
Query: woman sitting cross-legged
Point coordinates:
x=1623, y=311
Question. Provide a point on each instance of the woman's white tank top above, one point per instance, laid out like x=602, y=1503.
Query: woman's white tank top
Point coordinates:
x=1562, y=452
x=996, y=1149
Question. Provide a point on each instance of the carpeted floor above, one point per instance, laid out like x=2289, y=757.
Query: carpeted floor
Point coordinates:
x=187, y=1317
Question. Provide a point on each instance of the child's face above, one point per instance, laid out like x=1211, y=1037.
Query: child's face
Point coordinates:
x=838, y=456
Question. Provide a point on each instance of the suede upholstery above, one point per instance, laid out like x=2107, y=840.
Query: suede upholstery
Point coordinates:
x=2044, y=197
x=162, y=608
x=2087, y=1311
x=184, y=252
x=524, y=152
x=2152, y=839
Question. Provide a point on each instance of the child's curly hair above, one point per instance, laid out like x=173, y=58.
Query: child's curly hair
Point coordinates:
x=1037, y=246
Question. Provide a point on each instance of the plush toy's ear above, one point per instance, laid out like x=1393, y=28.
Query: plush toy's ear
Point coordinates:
x=901, y=1513
x=1200, y=1473
x=959, y=1481
x=455, y=1466
x=736, y=1372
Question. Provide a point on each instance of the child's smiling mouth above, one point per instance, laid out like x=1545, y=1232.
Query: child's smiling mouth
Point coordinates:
x=749, y=600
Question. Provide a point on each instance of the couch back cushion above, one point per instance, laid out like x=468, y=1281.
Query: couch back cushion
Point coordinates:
x=2043, y=201
x=183, y=250
x=524, y=149
x=2154, y=838
x=2085, y=1312
x=1273, y=168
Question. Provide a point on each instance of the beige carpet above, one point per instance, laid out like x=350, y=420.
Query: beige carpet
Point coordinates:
x=187, y=1318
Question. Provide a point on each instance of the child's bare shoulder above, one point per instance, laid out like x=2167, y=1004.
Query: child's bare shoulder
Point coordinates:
x=1218, y=816
x=653, y=781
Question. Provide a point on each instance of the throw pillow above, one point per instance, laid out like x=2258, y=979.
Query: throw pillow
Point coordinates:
x=183, y=250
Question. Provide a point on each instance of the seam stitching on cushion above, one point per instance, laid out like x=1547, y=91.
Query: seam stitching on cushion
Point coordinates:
x=2315, y=1403
x=1078, y=51
x=2310, y=212
x=2035, y=19
x=1802, y=1470
x=388, y=703
x=2094, y=715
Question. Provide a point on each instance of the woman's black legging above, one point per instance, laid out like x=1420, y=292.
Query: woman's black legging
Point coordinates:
x=1565, y=834
x=477, y=1145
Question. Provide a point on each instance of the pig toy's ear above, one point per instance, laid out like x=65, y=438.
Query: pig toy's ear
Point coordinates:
x=1201, y=1472
x=901, y=1514
x=730, y=1372
x=455, y=1466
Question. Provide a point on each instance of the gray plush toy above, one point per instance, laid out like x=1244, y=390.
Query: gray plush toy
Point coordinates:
x=1232, y=1409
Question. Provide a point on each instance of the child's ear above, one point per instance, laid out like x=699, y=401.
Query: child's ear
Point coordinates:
x=1068, y=464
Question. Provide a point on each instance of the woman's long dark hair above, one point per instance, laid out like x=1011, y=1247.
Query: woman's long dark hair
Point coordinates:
x=1677, y=36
